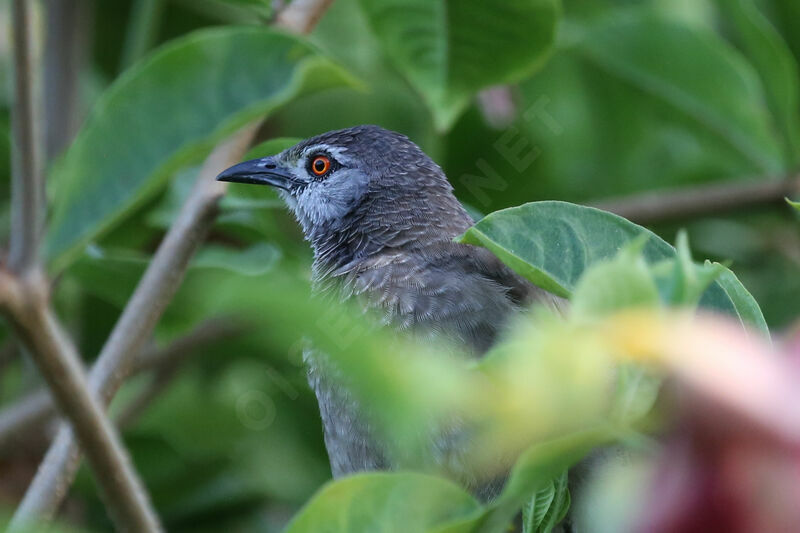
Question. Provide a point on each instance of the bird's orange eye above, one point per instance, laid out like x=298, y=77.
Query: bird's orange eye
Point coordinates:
x=320, y=165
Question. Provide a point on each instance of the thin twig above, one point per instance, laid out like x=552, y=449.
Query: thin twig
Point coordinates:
x=26, y=308
x=36, y=409
x=27, y=200
x=24, y=302
x=689, y=202
x=154, y=292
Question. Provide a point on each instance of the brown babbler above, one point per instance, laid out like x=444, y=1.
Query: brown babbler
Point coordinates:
x=381, y=218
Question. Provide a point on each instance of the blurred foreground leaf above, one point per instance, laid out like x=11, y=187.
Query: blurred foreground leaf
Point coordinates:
x=168, y=111
x=396, y=502
x=535, y=470
x=620, y=283
x=450, y=50
x=553, y=243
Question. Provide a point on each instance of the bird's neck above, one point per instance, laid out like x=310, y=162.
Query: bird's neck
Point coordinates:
x=402, y=225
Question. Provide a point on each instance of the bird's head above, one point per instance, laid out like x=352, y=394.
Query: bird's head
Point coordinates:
x=358, y=190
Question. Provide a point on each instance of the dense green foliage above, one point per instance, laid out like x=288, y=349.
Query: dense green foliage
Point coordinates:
x=599, y=98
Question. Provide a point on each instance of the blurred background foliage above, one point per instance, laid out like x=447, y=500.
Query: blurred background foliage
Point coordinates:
x=634, y=96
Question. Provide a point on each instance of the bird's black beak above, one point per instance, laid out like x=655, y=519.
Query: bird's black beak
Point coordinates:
x=264, y=171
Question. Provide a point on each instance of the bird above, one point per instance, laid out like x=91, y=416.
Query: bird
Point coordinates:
x=381, y=218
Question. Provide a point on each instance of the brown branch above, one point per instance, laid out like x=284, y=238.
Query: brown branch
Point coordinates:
x=24, y=302
x=155, y=290
x=36, y=409
x=27, y=191
x=702, y=200
x=25, y=305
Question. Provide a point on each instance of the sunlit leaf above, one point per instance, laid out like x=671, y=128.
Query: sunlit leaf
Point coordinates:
x=610, y=286
x=399, y=502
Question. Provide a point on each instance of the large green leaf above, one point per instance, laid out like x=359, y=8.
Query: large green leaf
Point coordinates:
x=687, y=68
x=776, y=66
x=629, y=102
x=398, y=502
x=167, y=111
x=449, y=50
x=553, y=243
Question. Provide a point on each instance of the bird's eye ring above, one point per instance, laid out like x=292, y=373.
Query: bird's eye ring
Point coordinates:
x=320, y=165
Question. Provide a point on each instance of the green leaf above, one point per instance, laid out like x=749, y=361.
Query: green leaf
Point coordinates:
x=773, y=60
x=253, y=261
x=168, y=111
x=689, y=281
x=553, y=243
x=450, y=50
x=535, y=511
x=558, y=510
x=386, y=502
x=547, y=507
x=686, y=67
x=743, y=302
x=112, y=275
x=795, y=205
